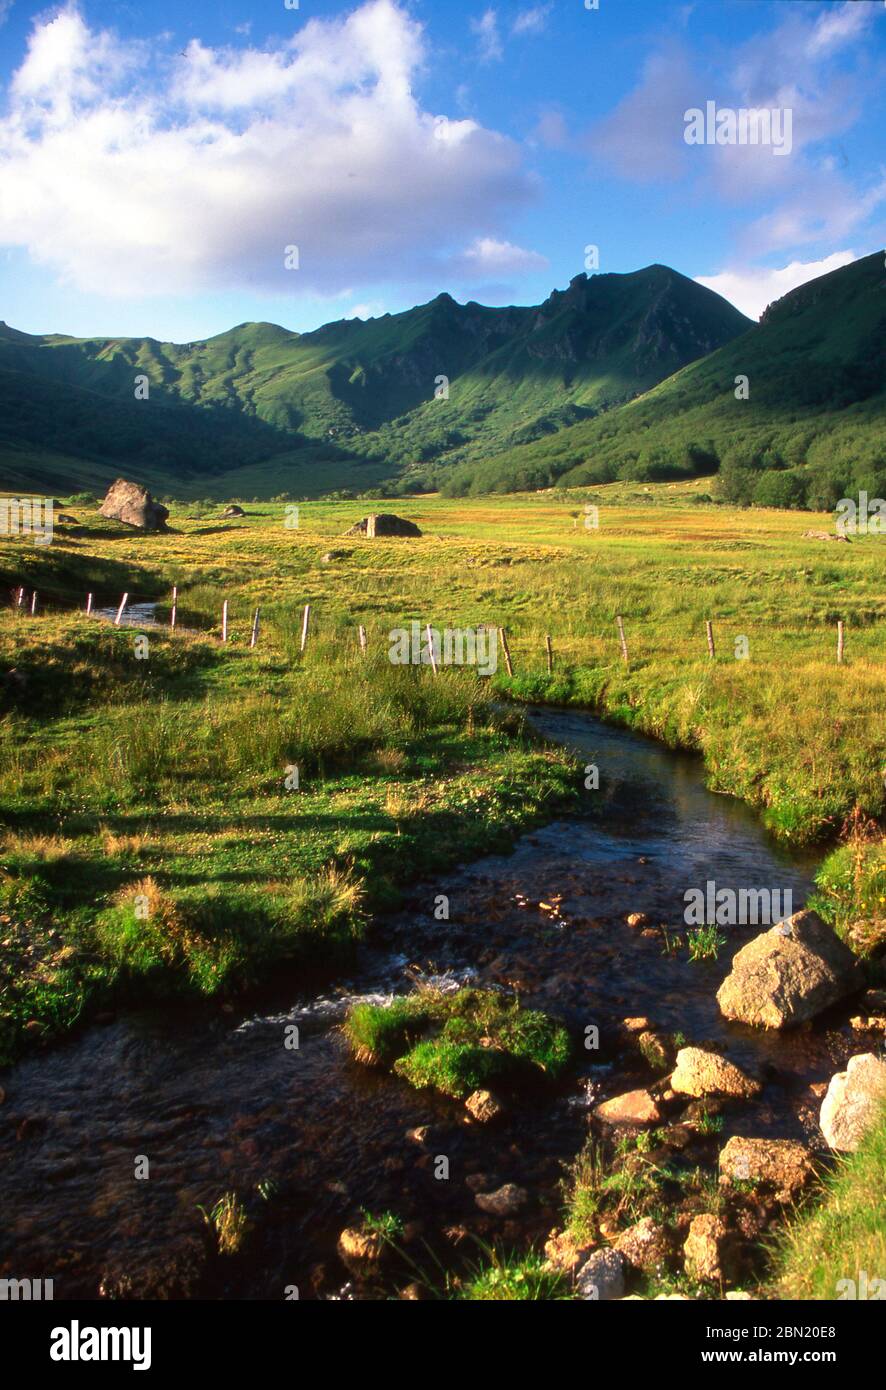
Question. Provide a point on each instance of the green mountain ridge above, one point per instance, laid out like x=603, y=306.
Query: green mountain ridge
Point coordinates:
x=355, y=396
x=617, y=376
x=810, y=431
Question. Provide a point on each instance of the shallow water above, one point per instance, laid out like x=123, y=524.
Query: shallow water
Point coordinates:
x=217, y=1102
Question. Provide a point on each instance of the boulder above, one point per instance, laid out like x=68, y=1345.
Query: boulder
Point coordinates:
x=507, y=1201
x=788, y=974
x=632, y=1108
x=483, y=1107
x=704, y=1253
x=645, y=1246
x=854, y=1100
x=134, y=506
x=783, y=1163
x=603, y=1277
x=383, y=524
x=702, y=1073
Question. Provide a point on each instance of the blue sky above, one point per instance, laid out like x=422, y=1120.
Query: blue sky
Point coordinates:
x=157, y=161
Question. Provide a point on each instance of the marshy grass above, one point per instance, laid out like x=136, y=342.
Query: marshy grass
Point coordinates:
x=460, y=1042
x=842, y=1236
x=505, y=1278
x=229, y=1222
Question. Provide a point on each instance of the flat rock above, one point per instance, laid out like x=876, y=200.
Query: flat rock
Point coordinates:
x=632, y=1108
x=383, y=524
x=702, y=1073
x=507, y=1201
x=784, y=1163
x=602, y=1277
x=853, y=1102
x=788, y=974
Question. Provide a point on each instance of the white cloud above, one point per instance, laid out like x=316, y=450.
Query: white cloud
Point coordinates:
x=531, y=21
x=752, y=288
x=128, y=169
x=488, y=256
x=5, y=7
x=372, y=310
x=486, y=29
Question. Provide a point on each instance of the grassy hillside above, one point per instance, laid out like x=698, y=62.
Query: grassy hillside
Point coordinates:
x=810, y=431
x=353, y=400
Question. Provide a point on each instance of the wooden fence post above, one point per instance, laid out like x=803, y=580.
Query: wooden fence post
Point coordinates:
x=254, y=638
x=840, y=641
x=621, y=637
x=34, y=603
x=709, y=629
x=88, y=605
x=225, y=621
x=362, y=639
x=550, y=652
x=123, y=602
x=430, y=637
x=174, y=614
x=305, y=623
x=21, y=598
x=503, y=637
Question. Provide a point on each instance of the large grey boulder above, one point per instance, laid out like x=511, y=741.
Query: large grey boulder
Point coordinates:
x=134, y=506
x=854, y=1100
x=602, y=1277
x=384, y=524
x=788, y=974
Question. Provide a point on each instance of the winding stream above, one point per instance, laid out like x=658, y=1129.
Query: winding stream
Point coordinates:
x=217, y=1102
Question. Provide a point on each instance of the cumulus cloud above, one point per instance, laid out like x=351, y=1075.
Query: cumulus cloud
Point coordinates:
x=751, y=289
x=489, y=256
x=129, y=169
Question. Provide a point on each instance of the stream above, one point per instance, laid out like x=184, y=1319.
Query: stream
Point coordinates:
x=217, y=1102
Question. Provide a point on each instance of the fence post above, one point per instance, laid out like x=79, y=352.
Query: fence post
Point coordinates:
x=21, y=597
x=88, y=605
x=225, y=621
x=709, y=629
x=621, y=637
x=305, y=623
x=362, y=639
x=550, y=652
x=123, y=602
x=840, y=641
x=174, y=614
x=34, y=603
x=430, y=636
x=254, y=638
x=503, y=637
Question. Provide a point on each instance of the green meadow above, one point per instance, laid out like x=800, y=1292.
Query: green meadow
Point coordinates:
x=159, y=788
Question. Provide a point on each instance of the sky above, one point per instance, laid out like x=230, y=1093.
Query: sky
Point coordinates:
x=173, y=170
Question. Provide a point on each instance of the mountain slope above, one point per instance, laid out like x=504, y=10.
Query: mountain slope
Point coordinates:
x=813, y=420
x=354, y=390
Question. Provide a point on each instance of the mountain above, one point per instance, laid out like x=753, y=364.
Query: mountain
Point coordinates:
x=258, y=408
x=810, y=431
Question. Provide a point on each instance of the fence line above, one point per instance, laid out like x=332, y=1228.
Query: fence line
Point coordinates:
x=306, y=628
